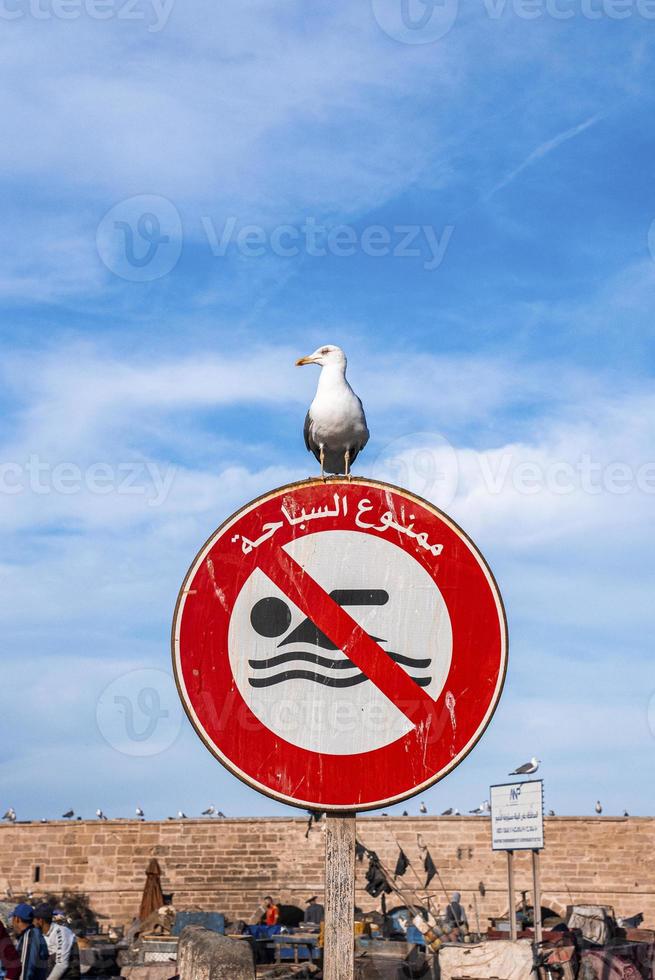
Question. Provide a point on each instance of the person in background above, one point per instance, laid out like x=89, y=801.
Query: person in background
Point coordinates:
x=455, y=916
x=271, y=911
x=9, y=958
x=31, y=946
x=63, y=951
x=314, y=913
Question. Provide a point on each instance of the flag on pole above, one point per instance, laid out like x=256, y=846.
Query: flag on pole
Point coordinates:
x=430, y=868
x=402, y=864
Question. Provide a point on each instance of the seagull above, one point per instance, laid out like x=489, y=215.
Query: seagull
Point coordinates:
x=335, y=426
x=10, y=815
x=209, y=812
x=181, y=815
x=422, y=808
x=139, y=812
x=598, y=808
x=68, y=815
x=527, y=768
x=100, y=815
x=483, y=808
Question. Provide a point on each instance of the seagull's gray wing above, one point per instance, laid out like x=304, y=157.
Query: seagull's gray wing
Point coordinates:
x=305, y=431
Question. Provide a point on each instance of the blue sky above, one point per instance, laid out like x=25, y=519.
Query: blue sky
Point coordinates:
x=170, y=178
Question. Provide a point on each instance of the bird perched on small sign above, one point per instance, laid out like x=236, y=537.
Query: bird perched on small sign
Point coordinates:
x=335, y=426
x=527, y=768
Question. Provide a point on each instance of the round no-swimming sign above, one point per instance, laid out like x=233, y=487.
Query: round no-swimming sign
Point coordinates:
x=339, y=645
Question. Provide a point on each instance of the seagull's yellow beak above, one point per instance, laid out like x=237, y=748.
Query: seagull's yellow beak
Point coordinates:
x=305, y=360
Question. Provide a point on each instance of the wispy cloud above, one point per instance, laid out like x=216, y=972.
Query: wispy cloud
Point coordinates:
x=541, y=151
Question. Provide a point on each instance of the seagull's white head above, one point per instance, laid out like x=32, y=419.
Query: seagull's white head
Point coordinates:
x=327, y=355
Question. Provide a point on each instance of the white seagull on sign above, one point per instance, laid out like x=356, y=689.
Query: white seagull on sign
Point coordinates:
x=527, y=768
x=335, y=426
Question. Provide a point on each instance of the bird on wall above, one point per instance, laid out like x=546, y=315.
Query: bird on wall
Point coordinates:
x=335, y=426
x=100, y=815
x=625, y=813
x=181, y=815
x=598, y=808
x=10, y=815
x=139, y=812
x=527, y=768
x=209, y=812
x=449, y=812
x=68, y=815
x=483, y=808
x=422, y=808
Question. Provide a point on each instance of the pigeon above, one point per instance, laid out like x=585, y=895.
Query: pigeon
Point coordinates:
x=625, y=813
x=68, y=815
x=527, y=768
x=181, y=815
x=209, y=812
x=139, y=812
x=551, y=813
x=335, y=426
x=10, y=815
x=598, y=808
x=422, y=808
x=100, y=815
x=221, y=814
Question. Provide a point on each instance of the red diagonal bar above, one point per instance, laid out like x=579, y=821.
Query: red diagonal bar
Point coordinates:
x=346, y=633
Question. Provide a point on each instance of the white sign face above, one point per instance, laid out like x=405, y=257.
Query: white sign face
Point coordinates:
x=304, y=689
x=517, y=816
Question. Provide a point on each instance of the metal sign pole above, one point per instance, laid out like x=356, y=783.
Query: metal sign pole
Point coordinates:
x=339, y=941
x=536, y=896
x=510, y=886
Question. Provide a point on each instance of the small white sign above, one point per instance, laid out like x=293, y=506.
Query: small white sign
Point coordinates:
x=517, y=816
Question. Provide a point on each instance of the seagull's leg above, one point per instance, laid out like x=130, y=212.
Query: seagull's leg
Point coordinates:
x=346, y=459
x=322, y=448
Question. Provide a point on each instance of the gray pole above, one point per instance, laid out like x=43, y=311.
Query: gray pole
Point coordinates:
x=339, y=942
x=512, y=904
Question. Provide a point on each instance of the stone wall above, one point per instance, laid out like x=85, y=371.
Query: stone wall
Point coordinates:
x=228, y=865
